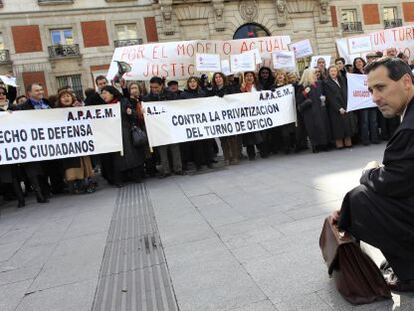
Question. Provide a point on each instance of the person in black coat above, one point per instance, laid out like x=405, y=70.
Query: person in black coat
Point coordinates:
x=117, y=167
x=8, y=173
x=250, y=140
x=230, y=144
x=312, y=106
x=96, y=98
x=267, y=83
x=201, y=151
x=367, y=118
x=380, y=211
x=159, y=93
x=335, y=90
x=35, y=171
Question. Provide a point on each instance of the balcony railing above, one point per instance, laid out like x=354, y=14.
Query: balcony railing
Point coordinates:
x=64, y=51
x=5, y=57
x=392, y=23
x=128, y=42
x=352, y=27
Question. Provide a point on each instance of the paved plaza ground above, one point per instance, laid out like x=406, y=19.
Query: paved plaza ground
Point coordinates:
x=238, y=238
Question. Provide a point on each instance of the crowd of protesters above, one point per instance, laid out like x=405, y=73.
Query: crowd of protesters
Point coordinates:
x=323, y=123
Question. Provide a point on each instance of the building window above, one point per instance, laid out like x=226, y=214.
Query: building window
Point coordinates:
x=250, y=30
x=349, y=16
x=126, y=31
x=391, y=19
x=62, y=36
x=74, y=81
x=390, y=13
x=350, y=23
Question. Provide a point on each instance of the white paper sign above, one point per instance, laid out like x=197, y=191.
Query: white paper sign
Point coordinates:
x=400, y=38
x=358, y=95
x=314, y=60
x=225, y=67
x=302, y=48
x=59, y=133
x=8, y=80
x=176, y=60
x=243, y=62
x=257, y=55
x=178, y=121
x=284, y=60
x=359, y=44
x=208, y=62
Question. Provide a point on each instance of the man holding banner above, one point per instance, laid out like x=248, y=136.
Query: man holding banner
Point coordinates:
x=381, y=210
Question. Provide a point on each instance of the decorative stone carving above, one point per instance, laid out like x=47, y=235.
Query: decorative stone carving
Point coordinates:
x=281, y=12
x=324, y=18
x=248, y=10
x=218, y=6
x=166, y=11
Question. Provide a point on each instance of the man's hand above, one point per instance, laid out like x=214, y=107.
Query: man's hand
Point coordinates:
x=342, y=111
x=335, y=215
x=371, y=165
x=129, y=111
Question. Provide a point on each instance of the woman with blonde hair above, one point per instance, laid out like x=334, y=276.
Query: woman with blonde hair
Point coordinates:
x=311, y=104
x=335, y=89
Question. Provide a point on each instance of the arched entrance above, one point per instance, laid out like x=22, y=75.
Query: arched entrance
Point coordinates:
x=251, y=30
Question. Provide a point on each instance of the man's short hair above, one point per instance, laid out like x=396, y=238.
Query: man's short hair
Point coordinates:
x=30, y=86
x=100, y=77
x=20, y=97
x=340, y=59
x=157, y=80
x=172, y=82
x=397, y=68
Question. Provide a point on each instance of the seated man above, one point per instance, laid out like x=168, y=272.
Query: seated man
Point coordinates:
x=380, y=211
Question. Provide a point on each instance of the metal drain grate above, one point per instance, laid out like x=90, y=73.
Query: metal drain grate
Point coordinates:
x=134, y=275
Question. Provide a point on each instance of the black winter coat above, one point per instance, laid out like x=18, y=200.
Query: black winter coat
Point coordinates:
x=314, y=114
x=336, y=98
x=381, y=210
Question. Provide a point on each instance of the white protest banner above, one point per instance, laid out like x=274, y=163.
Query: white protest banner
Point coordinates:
x=178, y=121
x=358, y=94
x=208, y=62
x=284, y=60
x=225, y=67
x=401, y=38
x=256, y=53
x=302, y=48
x=314, y=60
x=37, y=135
x=359, y=44
x=8, y=80
x=176, y=60
x=243, y=62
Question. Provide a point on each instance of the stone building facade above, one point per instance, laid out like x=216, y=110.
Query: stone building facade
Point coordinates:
x=59, y=42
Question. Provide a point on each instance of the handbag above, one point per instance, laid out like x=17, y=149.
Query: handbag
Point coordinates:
x=357, y=277
x=139, y=137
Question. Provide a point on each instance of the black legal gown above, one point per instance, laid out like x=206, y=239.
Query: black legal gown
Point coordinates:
x=381, y=210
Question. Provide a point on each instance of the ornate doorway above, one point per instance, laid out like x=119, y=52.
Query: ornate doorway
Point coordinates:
x=250, y=30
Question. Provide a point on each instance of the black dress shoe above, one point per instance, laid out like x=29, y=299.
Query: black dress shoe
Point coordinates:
x=21, y=204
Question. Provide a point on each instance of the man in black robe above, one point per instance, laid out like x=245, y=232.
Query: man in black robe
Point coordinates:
x=381, y=210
